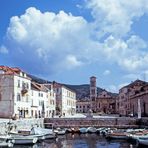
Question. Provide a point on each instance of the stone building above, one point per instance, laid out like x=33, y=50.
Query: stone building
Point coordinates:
x=83, y=106
x=128, y=98
x=15, y=88
x=106, y=103
x=65, y=100
x=43, y=100
x=98, y=102
x=21, y=97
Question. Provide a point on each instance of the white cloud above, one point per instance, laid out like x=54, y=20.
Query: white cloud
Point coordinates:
x=54, y=40
x=71, y=61
x=3, y=49
x=126, y=53
x=106, y=72
x=116, y=16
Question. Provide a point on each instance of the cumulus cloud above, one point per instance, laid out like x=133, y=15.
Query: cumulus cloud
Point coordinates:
x=126, y=53
x=116, y=17
x=106, y=72
x=3, y=49
x=52, y=42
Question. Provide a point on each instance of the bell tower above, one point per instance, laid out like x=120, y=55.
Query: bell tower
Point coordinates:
x=93, y=92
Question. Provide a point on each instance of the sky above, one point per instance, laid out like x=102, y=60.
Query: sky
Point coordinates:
x=69, y=41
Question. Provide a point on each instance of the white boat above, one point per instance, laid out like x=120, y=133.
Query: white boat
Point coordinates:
x=116, y=135
x=135, y=137
x=83, y=130
x=46, y=133
x=24, y=139
x=91, y=130
x=19, y=139
x=4, y=143
x=60, y=131
x=143, y=141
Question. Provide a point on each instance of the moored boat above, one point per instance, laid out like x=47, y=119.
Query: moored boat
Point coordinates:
x=83, y=130
x=60, y=131
x=19, y=139
x=142, y=141
x=24, y=139
x=91, y=130
x=43, y=133
x=117, y=135
x=4, y=143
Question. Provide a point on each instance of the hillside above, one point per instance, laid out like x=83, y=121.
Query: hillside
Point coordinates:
x=82, y=91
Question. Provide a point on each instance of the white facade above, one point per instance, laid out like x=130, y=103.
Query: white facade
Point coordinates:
x=15, y=95
x=65, y=100
x=43, y=101
x=19, y=97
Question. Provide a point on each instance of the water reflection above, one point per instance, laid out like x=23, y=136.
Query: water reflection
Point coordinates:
x=82, y=141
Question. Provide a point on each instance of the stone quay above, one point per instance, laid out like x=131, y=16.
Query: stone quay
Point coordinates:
x=118, y=122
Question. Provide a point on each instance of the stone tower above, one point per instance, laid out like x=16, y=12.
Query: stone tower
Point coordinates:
x=93, y=92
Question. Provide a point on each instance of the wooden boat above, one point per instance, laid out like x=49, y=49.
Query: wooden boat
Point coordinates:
x=117, y=135
x=91, y=130
x=83, y=130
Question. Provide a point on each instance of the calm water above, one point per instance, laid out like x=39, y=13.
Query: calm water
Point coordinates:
x=82, y=141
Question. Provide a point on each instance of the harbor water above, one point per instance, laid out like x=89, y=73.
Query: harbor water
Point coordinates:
x=82, y=141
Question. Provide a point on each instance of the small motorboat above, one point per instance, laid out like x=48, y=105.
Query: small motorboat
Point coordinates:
x=137, y=136
x=8, y=143
x=43, y=133
x=24, y=139
x=119, y=135
x=60, y=131
x=142, y=141
x=83, y=130
x=19, y=139
x=91, y=130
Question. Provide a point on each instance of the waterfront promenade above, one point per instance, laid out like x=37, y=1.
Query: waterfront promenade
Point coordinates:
x=77, y=120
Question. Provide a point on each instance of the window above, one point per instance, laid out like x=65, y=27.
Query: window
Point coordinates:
x=18, y=84
x=18, y=97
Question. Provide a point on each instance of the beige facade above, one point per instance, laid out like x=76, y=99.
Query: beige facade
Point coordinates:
x=128, y=98
x=102, y=102
x=83, y=106
x=106, y=103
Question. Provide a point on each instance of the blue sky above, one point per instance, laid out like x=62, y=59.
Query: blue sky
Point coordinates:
x=70, y=40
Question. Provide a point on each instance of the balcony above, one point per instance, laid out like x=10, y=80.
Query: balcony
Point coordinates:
x=24, y=91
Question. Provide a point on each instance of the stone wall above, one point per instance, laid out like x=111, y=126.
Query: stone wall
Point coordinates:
x=143, y=122
x=86, y=122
